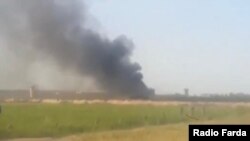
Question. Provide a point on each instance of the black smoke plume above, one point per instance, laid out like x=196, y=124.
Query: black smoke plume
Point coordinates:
x=56, y=30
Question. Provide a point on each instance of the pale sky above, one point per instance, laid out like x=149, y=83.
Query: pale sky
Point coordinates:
x=195, y=44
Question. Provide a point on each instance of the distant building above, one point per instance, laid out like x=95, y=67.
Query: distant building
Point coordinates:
x=32, y=91
x=186, y=92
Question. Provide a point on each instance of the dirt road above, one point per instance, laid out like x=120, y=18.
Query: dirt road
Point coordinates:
x=37, y=139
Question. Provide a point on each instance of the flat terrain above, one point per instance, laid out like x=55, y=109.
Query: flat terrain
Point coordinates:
x=107, y=122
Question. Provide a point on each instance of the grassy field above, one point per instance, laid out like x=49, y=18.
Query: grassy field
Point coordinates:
x=58, y=120
x=171, y=132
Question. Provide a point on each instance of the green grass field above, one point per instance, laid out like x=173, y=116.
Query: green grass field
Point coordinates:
x=171, y=132
x=58, y=120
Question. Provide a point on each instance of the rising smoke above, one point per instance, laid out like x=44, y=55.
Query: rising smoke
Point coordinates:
x=55, y=30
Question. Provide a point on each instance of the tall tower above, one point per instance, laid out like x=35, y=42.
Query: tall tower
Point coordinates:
x=32, y=91
x=186, y=92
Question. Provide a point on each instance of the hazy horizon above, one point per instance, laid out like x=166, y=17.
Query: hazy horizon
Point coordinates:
x=200, y=45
